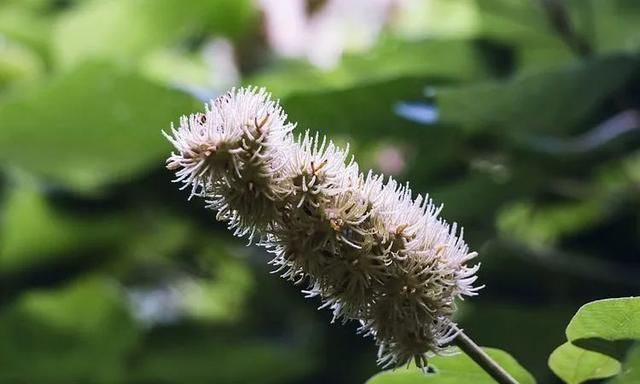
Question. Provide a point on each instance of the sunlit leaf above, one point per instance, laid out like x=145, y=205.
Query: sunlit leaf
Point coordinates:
x=605, y=325
x=127, y=29
x=609, y=319
x=457, y=369
x=575, y=365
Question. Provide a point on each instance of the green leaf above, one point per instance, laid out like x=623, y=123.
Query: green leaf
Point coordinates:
x=223, y=298
x=453, y=370
x=200, y=355
x=619, y=175
x=436, y=19
x=79, y=333
x=26, y=26
x=18, y=65
x=391, y=59
x=524, y=27
x=90, y=127
x=515, y=22
x=155, y=235
x=455, y=194
x=178, y=67
x=349, y=111
x=605, y=325
x=616, y=23
x=550, y=102
x=609, y=319
x=128, y=29
x=575, y=365
x=33, y=232
x=598, y=330
x=630, y=373
x=544, y=225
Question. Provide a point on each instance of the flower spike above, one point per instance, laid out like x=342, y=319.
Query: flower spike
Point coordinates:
x=368, y=249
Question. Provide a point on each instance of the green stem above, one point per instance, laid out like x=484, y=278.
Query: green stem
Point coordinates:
x=483, y=360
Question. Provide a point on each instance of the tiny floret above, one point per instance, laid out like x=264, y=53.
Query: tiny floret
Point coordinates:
x=364, y=245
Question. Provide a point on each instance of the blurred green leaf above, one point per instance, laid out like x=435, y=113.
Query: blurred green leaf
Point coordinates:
x=26, y=26
x=615, y=25
x=516, y=22
x=125, y=30
x=620, y=175
x=457, y=369
x=18, y=65
x=575, y=365
x=542, y=57
x=93, y=126
x=32, y=231
x=524, y=28
x=436, y=19
x=222, y=298
x=350, y=111
x=545, y=225
x=392, y=59
x=550, y=102
x=175, y=67
x=458, y=195
x=80, y=333
x=155, y=236
x=206, y=357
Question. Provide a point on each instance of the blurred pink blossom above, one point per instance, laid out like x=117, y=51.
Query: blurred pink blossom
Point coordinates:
x=339, y=26
x=390, y=160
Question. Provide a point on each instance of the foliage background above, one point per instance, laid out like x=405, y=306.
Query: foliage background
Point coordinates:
x=520, y=116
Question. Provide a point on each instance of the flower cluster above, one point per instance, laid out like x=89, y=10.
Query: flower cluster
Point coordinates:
x=362, y=244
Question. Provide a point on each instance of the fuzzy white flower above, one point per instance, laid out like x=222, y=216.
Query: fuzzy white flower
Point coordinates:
x=231, y=154
x=366, y=247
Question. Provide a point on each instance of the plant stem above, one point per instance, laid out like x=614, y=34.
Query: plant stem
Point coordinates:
x=483, y=360
x=558, y=16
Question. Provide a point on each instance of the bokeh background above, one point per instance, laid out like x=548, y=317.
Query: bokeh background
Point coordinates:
x=521, y=116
